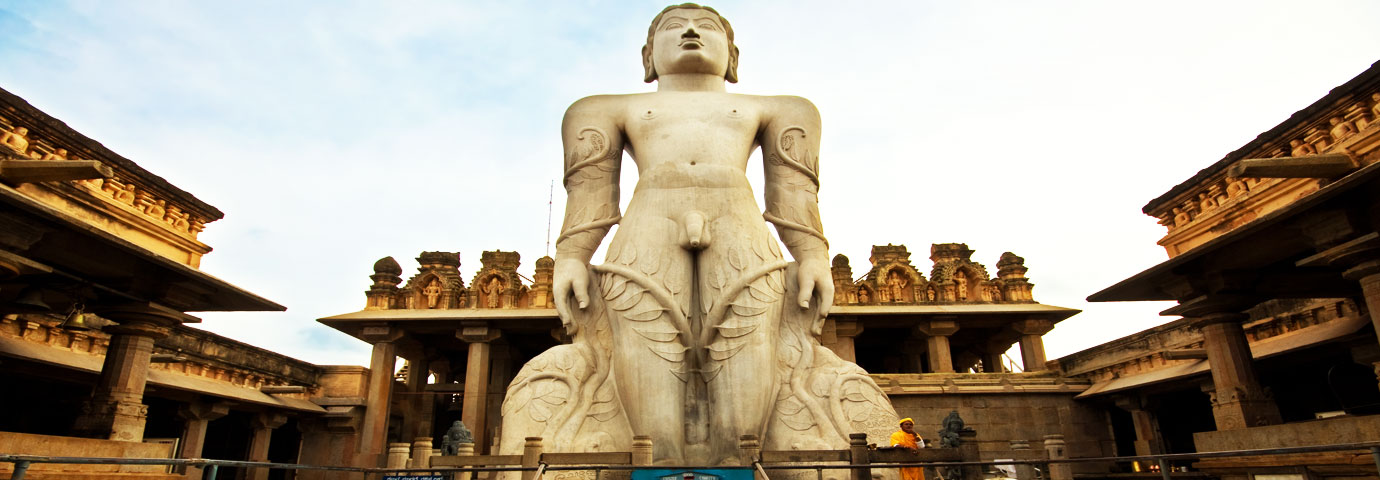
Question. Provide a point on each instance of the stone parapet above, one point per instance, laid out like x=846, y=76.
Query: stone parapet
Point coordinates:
x=977, y=383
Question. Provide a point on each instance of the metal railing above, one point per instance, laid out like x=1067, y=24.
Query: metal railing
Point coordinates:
x=210, y=467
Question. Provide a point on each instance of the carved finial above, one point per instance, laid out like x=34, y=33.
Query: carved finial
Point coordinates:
x=950, y=252
x=387, y=266
x=841, y=261
x=1010, y=265
x=439, y=259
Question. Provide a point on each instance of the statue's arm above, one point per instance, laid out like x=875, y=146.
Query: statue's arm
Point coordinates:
x=790, y=153
x=593, y=144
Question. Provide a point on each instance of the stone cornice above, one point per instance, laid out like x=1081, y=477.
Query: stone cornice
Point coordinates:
x=1276, y=141
x=132, y=188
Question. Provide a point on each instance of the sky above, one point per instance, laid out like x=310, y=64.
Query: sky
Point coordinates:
x=334, y=133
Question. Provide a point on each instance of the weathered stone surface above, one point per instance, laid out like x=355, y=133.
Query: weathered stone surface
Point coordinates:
x=670, y=335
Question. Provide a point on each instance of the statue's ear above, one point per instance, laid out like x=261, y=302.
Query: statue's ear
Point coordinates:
x=732, y=74
x=649, y=70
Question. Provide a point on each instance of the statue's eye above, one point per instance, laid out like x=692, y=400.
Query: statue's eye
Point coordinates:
x=673, y=25
x=708, y=26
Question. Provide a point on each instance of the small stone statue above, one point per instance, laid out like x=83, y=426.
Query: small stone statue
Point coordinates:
x=458, y=434
x=948, y=436
x=16, y=140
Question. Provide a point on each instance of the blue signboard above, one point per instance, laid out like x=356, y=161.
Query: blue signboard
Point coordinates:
x=742, y=473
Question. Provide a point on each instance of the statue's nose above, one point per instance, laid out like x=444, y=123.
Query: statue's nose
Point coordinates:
x=690, y=33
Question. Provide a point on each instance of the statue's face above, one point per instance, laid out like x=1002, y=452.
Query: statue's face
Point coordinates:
x=690, y=40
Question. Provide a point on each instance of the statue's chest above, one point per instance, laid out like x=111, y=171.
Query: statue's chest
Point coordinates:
x=722, y=120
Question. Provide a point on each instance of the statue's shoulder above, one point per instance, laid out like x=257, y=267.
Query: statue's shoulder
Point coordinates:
x=599, y=105
x=787, y=106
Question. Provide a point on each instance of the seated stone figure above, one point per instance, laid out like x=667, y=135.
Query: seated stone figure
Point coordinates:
x=694, y=330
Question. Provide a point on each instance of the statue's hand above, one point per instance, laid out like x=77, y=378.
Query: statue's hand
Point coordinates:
x=571, y=277
x=816, y=280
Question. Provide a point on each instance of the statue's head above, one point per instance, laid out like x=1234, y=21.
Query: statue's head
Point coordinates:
x=681, y=22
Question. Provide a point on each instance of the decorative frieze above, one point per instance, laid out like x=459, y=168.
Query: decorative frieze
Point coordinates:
x=1330, y=131
x=120, y=191
x=954, y=278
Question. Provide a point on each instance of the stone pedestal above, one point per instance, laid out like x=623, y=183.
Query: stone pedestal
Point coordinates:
x=116, y=410
x=1238, y=401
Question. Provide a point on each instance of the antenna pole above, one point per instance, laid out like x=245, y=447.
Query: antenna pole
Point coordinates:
x=550, y=198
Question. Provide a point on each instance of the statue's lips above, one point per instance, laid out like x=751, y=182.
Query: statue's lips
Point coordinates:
x=690, y=44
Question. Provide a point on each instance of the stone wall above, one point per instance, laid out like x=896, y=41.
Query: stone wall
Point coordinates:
x=1001, y=418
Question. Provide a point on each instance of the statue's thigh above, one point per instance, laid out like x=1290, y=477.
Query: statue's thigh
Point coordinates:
x=742, y=276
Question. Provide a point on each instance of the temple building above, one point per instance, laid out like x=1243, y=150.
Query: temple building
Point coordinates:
x=1274, y=260
x=98, y=267
x=934, y=342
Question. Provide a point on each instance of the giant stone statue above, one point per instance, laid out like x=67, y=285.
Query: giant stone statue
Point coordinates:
x=694, y=330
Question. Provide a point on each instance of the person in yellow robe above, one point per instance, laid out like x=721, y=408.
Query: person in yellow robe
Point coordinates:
x=908, y=439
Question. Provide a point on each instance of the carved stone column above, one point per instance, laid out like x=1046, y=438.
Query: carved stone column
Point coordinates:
x=263, y=425
x=1032, y=342
x=373, y=435
x=116, y=410
x=1238, y=401
x=198, y=416
x=1148, y=439
x=473, y=409
x=937, y=343
x=844, y=333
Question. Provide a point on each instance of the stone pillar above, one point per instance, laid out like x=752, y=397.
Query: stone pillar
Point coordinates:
x=991, y=363
x=1367, y=273
x=263, y=425
x=531, y=456
x=1054, y=450
x=844, y=331
x=421, y=453
x=397, y=455
x=373, y=433
x=749, y=449
x=1032, y=342
x=937, y=343
x=1024, y=471
x=465, y=450
x=416, y=415
x=1148, y=440
x=198, y=416
x=858, y=455
x=473, y=409
x=500, y=375
x=642, y=450
x=116, y=410
x=1239, y=401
